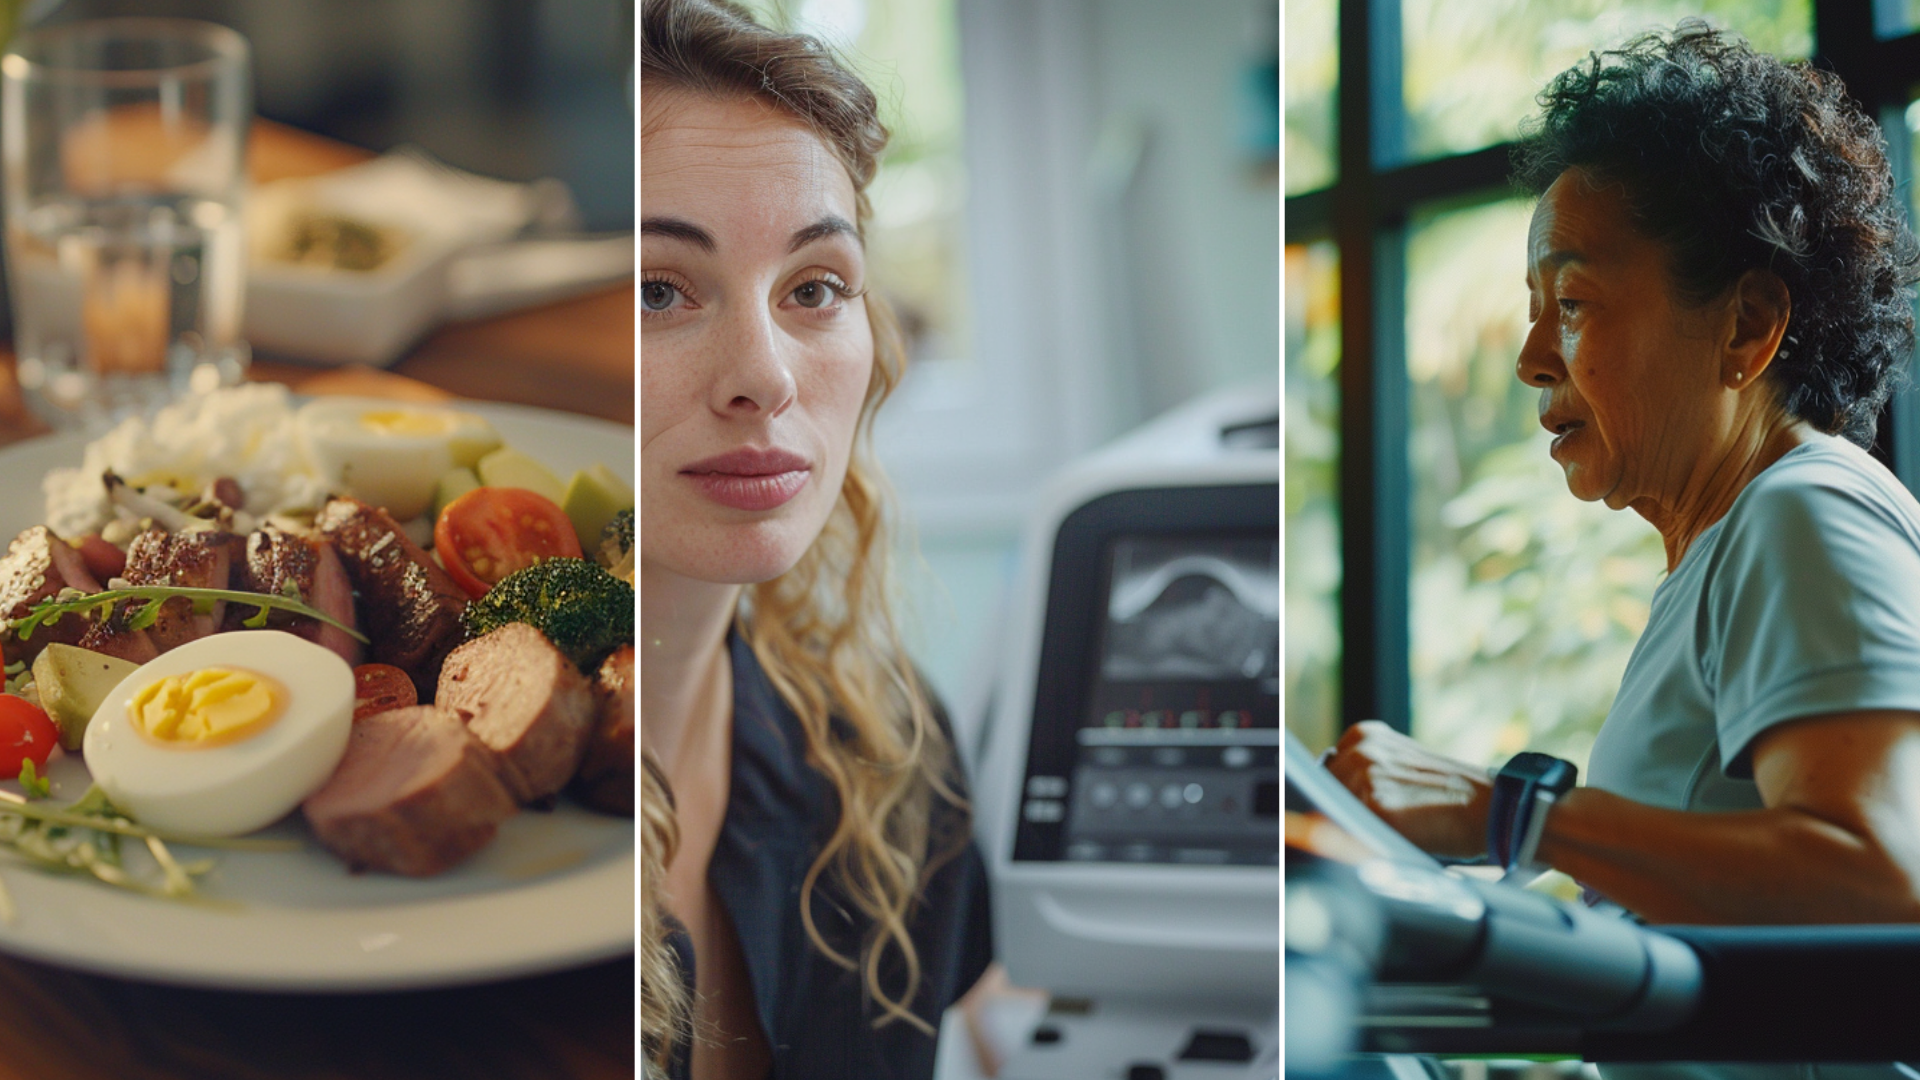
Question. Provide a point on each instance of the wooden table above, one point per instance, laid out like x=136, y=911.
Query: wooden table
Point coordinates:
x=57, y=1024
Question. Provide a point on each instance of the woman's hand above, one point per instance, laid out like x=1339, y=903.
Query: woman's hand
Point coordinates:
x=1438, y=803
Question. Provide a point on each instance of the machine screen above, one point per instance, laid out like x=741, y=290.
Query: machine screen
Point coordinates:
x=1175, y=748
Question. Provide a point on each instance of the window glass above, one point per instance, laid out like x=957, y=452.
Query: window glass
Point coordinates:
x=1312, y=72
x=1312, y=505
x=1525, y=601
x=908, y=51
x=1472, y=68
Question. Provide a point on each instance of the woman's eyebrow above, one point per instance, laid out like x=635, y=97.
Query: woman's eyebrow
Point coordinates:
x=831, y=225
x=676, y=229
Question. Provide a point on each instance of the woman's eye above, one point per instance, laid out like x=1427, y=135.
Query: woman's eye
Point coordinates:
x=1568, y=307
x=657, y=295
x=821, y=293
x=814, y=294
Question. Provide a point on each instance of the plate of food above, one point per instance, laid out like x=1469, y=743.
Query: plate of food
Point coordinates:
x=340, y=705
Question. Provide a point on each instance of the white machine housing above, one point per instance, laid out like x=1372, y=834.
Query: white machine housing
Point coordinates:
x=1197, y=935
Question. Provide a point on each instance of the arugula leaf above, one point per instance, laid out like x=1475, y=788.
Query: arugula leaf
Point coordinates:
x=100, y=605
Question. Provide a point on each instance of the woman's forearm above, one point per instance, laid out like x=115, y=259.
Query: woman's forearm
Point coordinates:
x=1778, y=865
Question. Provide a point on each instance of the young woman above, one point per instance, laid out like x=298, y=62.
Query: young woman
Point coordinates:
x=810, y=900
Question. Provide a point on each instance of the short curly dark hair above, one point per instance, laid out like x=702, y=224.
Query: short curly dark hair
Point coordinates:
x=1734, y=160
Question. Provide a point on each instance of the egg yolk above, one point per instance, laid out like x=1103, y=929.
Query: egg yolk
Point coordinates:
x=205, y=707
x=405, y=422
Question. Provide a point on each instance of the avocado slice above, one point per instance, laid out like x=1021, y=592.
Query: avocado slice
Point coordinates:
x=72, y=682
x=593, y=496
x=454, y=483
x=507, y=467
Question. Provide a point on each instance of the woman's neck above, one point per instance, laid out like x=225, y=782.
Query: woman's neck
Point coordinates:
x=1759, y=438
x=683, y=628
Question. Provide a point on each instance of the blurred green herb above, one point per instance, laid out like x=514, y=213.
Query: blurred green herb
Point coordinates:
x=144, y=602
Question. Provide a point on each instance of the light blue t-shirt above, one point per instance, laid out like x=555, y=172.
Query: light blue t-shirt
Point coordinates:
x=1804, y=599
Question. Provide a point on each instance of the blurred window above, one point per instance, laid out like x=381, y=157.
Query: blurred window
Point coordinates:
x=1472, y=68
x=1312, y=492
x=1525, y=601
x=1521, y=604
x=1312, y=72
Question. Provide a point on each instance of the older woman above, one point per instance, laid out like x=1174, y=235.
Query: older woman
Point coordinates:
x=810, y=901
x=1719, y=269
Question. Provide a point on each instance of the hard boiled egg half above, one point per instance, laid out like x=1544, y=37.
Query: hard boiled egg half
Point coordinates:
x=223, y=735
x=389, y=453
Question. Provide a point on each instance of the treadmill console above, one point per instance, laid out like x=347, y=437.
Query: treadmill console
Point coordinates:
x=1157, y=715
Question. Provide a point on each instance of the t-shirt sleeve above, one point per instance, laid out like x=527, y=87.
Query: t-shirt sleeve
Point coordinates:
x=1813, y=607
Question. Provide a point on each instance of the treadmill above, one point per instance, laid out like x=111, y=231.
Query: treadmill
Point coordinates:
x=1389, y=953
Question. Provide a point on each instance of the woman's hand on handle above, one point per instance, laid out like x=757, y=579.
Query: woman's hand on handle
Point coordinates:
x=1438, y=803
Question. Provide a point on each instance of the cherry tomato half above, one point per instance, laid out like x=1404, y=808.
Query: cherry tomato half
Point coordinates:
x=25, y=732
x=490, y=532
x=379, y=688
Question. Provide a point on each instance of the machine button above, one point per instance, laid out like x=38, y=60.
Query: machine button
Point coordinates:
x=1103, y=795
x=1169, y=755
x=1046, y=787
x=1236, y=757
x=1171, y=797
x=1139, y=795
x=1046, y=1035
x=1193, y=793
x=1208, y=1045
x=1146, y=1071
x=1045, y=810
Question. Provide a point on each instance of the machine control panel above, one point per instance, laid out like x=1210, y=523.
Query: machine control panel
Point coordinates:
x=1168, y=749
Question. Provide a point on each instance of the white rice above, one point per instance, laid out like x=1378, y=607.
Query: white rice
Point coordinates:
x=245, y=432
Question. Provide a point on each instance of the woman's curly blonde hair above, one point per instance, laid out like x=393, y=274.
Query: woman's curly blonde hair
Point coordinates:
x=824, y=632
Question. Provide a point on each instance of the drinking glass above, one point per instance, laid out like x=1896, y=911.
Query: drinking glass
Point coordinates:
x=124, y=146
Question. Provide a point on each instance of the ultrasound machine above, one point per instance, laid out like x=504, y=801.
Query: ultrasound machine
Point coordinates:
x=1129, y=793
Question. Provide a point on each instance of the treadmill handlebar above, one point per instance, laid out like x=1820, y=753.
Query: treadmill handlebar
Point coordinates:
x=1597, y=972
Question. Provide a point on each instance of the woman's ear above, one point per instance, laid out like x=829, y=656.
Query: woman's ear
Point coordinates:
x=1761, y=309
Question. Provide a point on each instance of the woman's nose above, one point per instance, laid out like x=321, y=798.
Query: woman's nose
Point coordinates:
x=754, y=377
x=1540, y=363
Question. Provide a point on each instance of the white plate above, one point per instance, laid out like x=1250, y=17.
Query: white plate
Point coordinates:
x=553, y=890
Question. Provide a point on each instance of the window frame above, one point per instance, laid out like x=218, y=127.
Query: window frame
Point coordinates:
x=1366, y=210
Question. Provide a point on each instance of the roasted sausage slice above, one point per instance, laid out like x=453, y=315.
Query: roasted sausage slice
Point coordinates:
x=201, y=560
x=526, y=702
x=414, y=794
x=37, y=565
x=408, y=606
x=274, y=559
x=605, y=779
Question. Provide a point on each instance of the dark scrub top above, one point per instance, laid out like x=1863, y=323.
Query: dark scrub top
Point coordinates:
x=814, y=1012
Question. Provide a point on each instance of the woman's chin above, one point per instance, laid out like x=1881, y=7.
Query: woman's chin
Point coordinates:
x=733, y=555
x=1586, y=486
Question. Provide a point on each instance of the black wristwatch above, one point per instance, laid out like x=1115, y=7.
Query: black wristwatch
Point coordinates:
x=1523, y=790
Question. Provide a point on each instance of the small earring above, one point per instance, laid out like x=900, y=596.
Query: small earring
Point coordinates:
x=1738, y=375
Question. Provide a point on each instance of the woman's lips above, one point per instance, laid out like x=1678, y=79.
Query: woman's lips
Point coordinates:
x=750, y=479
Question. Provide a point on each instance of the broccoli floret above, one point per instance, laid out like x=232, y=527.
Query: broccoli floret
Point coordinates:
x=582, y=609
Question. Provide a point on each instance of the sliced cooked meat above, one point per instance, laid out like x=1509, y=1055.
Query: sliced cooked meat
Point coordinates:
x=526, y=702
x=408, y=606
x=37, y=565
x=605, y=779
x=275, y=558
x=114, y=639
x=414, y=794
x=200, y=560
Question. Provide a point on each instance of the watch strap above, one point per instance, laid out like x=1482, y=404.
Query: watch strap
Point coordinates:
x=1523, y=790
